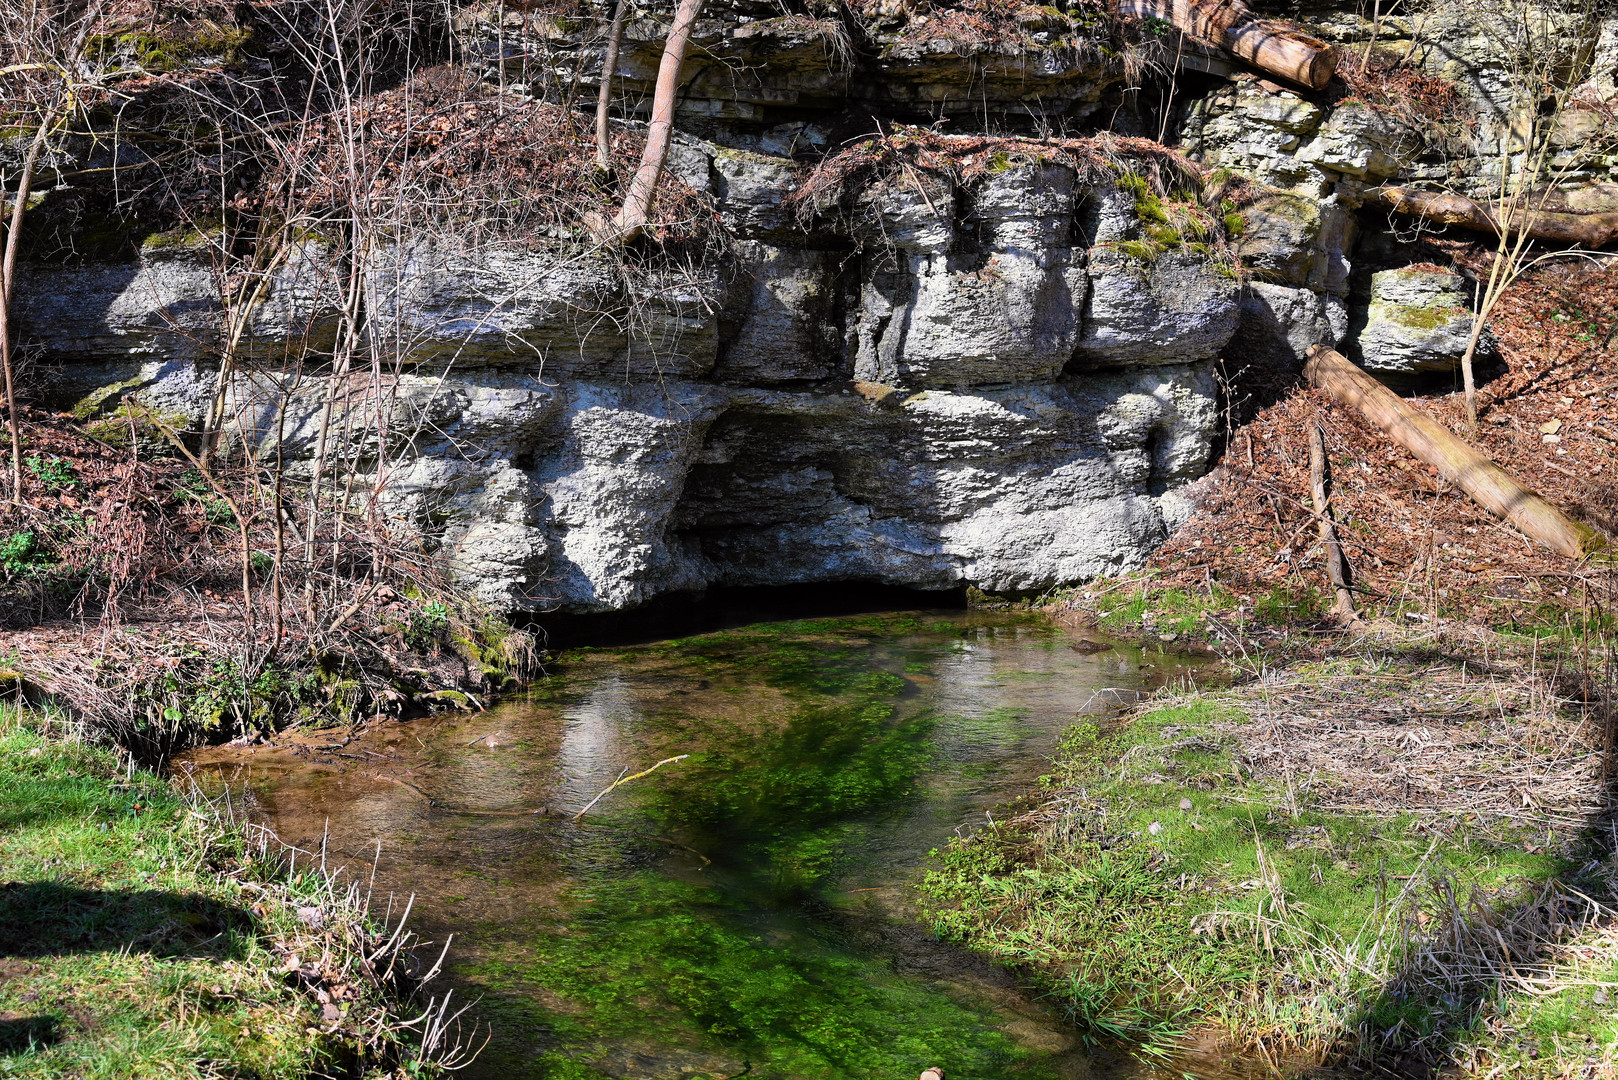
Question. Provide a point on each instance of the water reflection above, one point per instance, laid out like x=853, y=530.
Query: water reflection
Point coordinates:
x=593, y=752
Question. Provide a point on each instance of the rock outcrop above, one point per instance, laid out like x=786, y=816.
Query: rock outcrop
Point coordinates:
x=1419, y=319
x=1004, y=383
x=933, y=395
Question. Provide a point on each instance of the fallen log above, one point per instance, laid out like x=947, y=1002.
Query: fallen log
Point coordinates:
x=1233, y=27
x=1336, y=562
x=1496, y=490
x=1593, y=230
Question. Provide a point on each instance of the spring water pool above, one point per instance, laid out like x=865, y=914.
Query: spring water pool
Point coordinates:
x=749, y=909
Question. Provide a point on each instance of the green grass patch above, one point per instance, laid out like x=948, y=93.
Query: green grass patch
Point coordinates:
x=1137, y=607
x=143, y=936
x=1175, y=890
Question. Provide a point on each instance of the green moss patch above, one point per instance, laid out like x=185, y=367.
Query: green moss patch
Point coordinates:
x=1421, y=318
x=172, y=48
x=1181, y=875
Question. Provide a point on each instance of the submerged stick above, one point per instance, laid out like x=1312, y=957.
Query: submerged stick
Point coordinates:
x=627, y=779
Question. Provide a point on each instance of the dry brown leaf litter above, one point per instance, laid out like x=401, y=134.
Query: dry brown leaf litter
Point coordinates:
x=1416, y=544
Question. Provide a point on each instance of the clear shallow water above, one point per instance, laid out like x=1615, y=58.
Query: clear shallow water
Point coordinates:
x=747, y=910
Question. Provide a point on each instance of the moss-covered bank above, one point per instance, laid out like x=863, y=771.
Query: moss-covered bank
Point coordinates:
x=1400, y=858
x=144, y=934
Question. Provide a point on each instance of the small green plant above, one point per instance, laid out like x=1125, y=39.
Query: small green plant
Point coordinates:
x=20, y=552
x=191, y=485
x=1290, y=606
x=428, y=624
x=1174, y=611
x=190, y=482
x=263, y=563
x=53, y=472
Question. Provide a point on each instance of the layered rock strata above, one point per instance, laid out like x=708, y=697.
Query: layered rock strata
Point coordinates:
x=938, y=391
x=1004, y=386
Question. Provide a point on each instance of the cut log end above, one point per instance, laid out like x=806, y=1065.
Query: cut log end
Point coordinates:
x=1288, y=54
x=1231, y=26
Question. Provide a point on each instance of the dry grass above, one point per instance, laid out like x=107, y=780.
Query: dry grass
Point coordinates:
x=1392, y=862
x=124, y=600
x=1384, y=81
x=978, y=23
x=1491, y=739
x=487, y=165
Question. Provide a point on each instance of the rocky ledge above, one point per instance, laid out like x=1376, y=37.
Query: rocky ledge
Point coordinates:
x=1005, y=383
x=1004, y=387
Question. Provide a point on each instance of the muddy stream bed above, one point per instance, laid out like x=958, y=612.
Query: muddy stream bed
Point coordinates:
x=750, y=909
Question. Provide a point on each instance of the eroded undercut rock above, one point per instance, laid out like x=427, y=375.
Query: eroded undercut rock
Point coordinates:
x=1003, y=383
x=948, y=390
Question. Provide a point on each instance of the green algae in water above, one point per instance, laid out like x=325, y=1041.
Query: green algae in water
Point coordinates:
x=825, y=758
x=781, y=803
x=739, y=964
x=649, y=956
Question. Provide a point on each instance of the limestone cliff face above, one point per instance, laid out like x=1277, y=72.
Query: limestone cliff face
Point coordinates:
x=983, y=396
x=1005, y=385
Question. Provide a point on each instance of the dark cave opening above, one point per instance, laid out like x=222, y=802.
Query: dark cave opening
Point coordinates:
x=686, y=613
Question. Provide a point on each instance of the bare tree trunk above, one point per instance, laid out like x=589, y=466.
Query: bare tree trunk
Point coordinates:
x=1480, y=318
x=8, y=277
x=1496, y=490
x=1336, y=563
x=615, y=40
x=637, y=208
x=1232, y=26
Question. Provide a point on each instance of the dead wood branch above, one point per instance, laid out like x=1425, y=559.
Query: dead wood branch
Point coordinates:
x=1457, y=461
x=1336, y=562
x=1593, y=230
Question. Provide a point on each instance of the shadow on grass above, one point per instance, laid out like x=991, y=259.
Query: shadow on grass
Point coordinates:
x=21, y=1034
x=1479, y=951
x=44, y=918
x=1462, y=975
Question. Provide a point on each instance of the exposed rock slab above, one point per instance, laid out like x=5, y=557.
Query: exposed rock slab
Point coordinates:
x=1418, y=320
x=946, y=388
